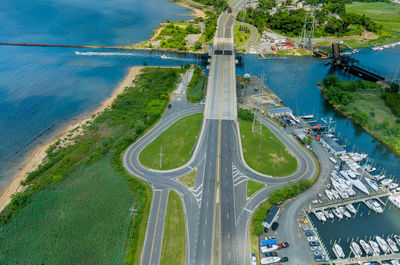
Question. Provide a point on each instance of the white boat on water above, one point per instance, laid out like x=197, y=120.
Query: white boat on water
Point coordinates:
x=350, y=176
x=392, y=245
x=329, y=213
x=372, y=184
x=382, y=243
x=351, y=208
x=344, y=212
x=375, y=247
x=397, y=238
x=355, y=248
x=338, y=213
x=393, y=186
x=338, y=251
x=335, y=194
x=395, y=199
x=386, y=182
x=320, y=216
x=367, y=248
x=164, y=57
x=269, y=260
x=374, y=205
x=329, y=194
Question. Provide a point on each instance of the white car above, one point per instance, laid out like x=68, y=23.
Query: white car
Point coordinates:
x=316, y=248
x=312, y=238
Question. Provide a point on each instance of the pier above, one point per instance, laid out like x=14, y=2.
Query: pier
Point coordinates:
x=367, y=259
x=355, y=199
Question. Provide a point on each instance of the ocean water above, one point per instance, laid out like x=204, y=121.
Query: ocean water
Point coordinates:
x=42, y=89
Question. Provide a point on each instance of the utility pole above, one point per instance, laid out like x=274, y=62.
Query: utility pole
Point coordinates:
x=161, y=156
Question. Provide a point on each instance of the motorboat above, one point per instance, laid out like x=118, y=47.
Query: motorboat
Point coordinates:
x=367, y=248
x=338, y=251
x=397, y=238
x=393, y=186
x=372, y=184
x=269, y=248
x=350, y=176
x=374, y=205
x=327, y=215
x=329, y=194
x=386, y=182
x=382, y=243
x=338, y=213
x=351, y=208
x=355, y=248
x=330, y=214
x=344, y=212
x=395, y=199
x=335, y=194
x=164, y=57
x=269, y=260
x=375, y=247
x=392, y=245
x=320, y=216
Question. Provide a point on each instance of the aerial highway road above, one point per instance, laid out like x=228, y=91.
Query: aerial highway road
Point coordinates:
x=217, y=209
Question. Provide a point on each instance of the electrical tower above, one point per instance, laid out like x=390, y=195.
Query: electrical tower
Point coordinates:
x=307, y=34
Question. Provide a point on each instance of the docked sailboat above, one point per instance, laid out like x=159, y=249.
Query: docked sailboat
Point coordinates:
x=355, y=248
x=329, y=194
x=338, y=213
x=351, y=208
x=367, y=248
x=392, y=245
x=375, y=247
x=350, y=176
x=382, y=243
x=338, y=251
x=374, y=205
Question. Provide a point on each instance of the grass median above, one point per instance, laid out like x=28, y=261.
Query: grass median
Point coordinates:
x=174, y=238
x=271, y=157
x=253, y=187
x=176, y=143
x=241, y=34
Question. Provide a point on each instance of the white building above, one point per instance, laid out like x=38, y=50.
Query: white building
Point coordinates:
x=279, y=112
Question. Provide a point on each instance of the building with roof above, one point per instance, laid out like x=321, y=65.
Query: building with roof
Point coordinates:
x=279, y=112
x=332, y=146
x=272, y=216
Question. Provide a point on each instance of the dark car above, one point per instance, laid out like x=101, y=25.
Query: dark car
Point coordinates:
x=283, y=245
x=265, y=230
x=169, y=106
x=309, y=233
x=274, y=226
x=284, y=259
x=313, y=243
x=271, y=254
x=318, y=258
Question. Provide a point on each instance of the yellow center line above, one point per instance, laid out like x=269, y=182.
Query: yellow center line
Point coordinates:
x=155, y=228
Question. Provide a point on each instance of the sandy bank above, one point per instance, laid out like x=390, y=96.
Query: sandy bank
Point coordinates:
x=39, y=154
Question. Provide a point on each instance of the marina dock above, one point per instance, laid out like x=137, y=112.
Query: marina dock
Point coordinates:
x=367, y=259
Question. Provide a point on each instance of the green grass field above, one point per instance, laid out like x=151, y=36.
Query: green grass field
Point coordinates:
x=274, y=158
x=177, y=142
x=241, y=36
x=174, y=238
x=189, y=179
x=385, y=14
x=197, y=88
x=253, y=187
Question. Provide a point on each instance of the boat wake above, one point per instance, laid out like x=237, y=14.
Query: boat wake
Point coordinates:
x=106, y=53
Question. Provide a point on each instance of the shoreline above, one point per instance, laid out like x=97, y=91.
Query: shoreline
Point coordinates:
x=35, y=157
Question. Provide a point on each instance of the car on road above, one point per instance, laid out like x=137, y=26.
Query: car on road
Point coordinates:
x=313, y=243
x=283, y=245
x=314, y=248
x=284, y=259
x=253, y=259
x=312, y=238
x=307, y=228
x=309, y=233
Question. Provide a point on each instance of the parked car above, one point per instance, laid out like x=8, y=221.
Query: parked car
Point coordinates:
x=274, y=226
x=307, y=228
x=312, y=238
x=318, y=253
x=309, y=233
x=283, y=245
x=271, y=254
x=313, y=243
x=314, y=248
x=284, y=259
x=318, y=258
x=253, y=259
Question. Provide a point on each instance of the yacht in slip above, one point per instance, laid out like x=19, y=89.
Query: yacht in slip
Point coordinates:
x=355, y=248
x=328, y=214
x=382, y=243
x=338, y=251
x=375, y=247
x=329, y=194
x=397, y=238
x=338, y=213
x=395, y=199
x=335, y=194
x=374, y=205
x=320, y=216
x=367, y=248
x=386, y=182
x=344, y=212
x=392, y=245
x=372, y=184
x=351, y=208
x=352, y=177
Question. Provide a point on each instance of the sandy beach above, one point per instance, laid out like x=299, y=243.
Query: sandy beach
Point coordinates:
x=39, y=154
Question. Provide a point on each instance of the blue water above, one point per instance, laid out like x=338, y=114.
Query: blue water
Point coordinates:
x=41, y=87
